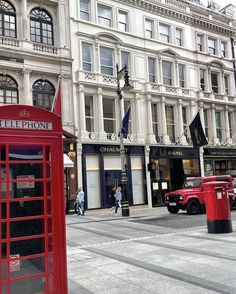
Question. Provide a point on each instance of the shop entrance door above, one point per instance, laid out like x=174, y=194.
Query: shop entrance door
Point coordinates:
x=177, y=174
x=32, y=245
x=112, y=178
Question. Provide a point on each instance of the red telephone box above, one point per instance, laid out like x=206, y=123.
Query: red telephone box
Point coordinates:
x=33, y=245
x=217, y=207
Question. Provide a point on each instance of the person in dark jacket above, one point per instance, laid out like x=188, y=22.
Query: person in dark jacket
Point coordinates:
x=112, y=199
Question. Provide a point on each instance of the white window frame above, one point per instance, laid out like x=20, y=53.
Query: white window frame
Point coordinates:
x=181, y=39
x=113, y=119
x=218, y=82
x=88, y=13
x=127, y=64
x=219, y=128
x=101, y=17
x=104, y=65
x=168, y=36
x=171, y=73
x=149, y=32
x=126, y=23
x=155, y=123
x=204, y=78
x=224, y=49
x=182, y=82
x=214, y=49
x=152, y=78
x=226, y=87
x=200, y=46
x=170, y=125
x=91, y=56
x=89, y=117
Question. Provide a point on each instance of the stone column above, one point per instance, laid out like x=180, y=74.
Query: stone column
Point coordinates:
x=67, y=102
x=192, y=109
x=25, y=21
x=159, y=71
x=138, y=129
x=81, y=113
x=100, y=123
x=208, y=79
x=201, y=113
x=79, y=165
x=148, y=178
x=214, y=139
x=27, y=99
x=221, y=83
x=166, y=139
x=227, y=131
x=151, y=136
x=176, y=74
x=160, y=75
x=181, y=134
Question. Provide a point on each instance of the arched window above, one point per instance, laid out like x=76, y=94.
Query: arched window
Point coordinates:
x=43, y=94
x=41, y=30
x=8, y=90
x=7, y=20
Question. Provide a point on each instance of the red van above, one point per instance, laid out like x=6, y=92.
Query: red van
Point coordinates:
x=191, y=196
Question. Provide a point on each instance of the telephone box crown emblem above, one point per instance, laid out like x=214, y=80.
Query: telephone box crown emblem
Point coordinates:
x=24, y=113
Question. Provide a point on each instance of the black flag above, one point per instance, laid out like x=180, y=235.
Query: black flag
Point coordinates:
x=125, y=123
x=197, y=134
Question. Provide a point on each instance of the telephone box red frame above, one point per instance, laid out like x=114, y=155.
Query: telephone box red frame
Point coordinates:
x=32, y=208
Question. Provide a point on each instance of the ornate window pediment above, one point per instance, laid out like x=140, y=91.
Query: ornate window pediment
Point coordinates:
x=169, y=52
x=108, y=37
x=216, y=63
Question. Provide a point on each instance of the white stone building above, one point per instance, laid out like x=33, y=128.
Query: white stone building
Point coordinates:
x=181, y=59
x=34, y=52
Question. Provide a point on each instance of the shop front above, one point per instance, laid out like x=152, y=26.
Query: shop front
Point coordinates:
x=101, y=171
x=219, y=161
x=169, y=166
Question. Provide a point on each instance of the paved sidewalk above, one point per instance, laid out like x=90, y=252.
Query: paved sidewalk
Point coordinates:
x=126, y=256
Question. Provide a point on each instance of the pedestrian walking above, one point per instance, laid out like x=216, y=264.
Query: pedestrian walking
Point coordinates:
x=118, y=198
x=112, y=199
x=80, y=201
x=75, y=202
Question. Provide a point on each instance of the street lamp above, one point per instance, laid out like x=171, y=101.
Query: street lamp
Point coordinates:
x=123, y=73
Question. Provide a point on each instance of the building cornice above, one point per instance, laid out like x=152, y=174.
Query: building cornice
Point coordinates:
x=185, y=13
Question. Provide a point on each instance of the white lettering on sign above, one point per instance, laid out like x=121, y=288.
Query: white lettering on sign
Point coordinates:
x=25, y=124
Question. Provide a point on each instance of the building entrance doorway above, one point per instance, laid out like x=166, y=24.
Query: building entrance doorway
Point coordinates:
x=112, y=178
x=177, y=175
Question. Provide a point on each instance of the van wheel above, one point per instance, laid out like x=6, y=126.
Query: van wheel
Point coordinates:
x=172, y=209
x=193, y=207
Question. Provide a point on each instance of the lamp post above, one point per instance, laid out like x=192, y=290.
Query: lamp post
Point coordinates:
x=123, y=73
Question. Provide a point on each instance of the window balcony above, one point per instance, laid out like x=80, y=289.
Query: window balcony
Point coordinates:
x=47, y=49
x=9, y=42
x=170, y=90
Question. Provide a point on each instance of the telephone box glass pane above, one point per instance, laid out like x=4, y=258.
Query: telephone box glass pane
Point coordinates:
x=4, y=230
x=29, y=286
x=3, y=183
x=28, y=171
x=27, y=267
x=2, y=153
x=26, y=208
x=28, y=247
x=4, y=271
x=4, y=251
x=3, y=211
x=27, y=190
x=26, y=228
x=28, y=152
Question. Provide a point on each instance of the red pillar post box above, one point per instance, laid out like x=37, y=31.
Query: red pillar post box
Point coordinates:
x=217, y=207
x=32, y=210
